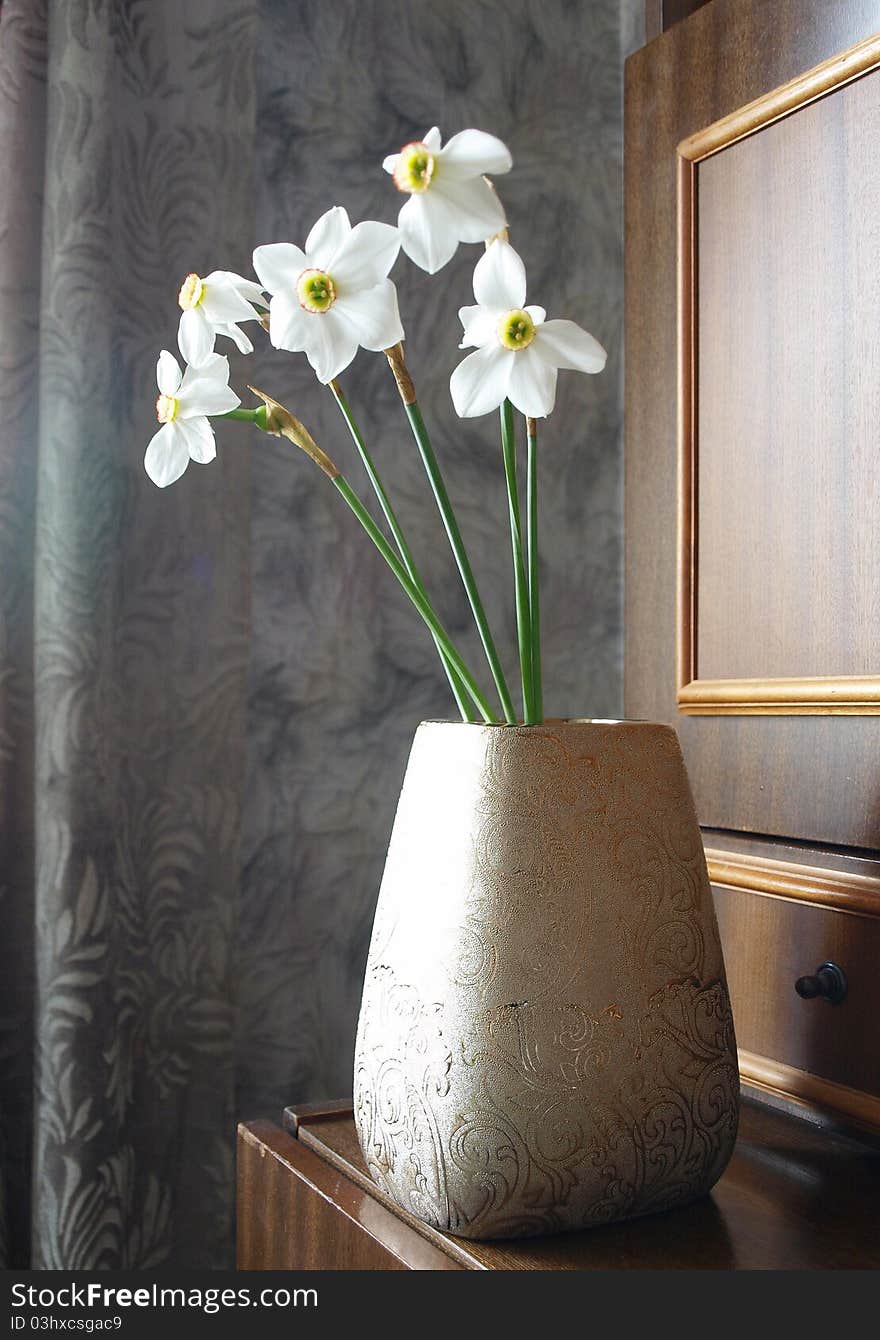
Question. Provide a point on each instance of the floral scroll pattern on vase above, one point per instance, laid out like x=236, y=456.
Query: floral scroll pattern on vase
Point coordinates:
x=546, y=1039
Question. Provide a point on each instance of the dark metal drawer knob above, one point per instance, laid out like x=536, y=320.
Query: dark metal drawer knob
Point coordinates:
x=828, y=981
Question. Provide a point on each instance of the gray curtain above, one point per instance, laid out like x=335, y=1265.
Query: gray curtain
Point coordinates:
x=207, y=694
x=127, y=131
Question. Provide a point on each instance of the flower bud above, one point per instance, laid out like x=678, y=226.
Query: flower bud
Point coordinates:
x=281, y=423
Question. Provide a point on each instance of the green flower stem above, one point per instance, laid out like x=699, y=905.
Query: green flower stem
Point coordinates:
x=455, y=683
x=273, y=418
x=534, y=598
x=254, y=416
x=524, y=637
x=416, y=596
x=432, y=469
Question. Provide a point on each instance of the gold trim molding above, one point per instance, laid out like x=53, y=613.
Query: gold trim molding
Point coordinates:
x=810, y=1091
x=819, y=695
x=838, y=890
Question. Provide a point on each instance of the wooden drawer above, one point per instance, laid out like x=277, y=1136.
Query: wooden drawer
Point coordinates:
x=806, y=1049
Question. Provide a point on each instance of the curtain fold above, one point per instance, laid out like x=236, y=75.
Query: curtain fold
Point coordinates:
x=22, y=151
x=128, y=135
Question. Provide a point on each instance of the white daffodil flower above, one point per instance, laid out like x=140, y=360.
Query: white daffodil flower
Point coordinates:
x=518, y=352
x=335, y=296
x=450, y=200
x=214, y=306
x=185, y=401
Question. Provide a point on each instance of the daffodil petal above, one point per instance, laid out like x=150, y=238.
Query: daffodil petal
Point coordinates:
x=198, y=436
x=206, y=391
x=279, y=265
x=470, y=153
x=214, y=371
x=538, y=314
x=532, y=386
x=432, y=140
x=428, y=232
x=390, y=163
x=327, y=237
x=195, y=336
x=480, y=327
x=566, y=345
x=500, y=278
x=479, y=213
x=373, y=315
x=166, y=456
x=221, y=303
x=288, y=323
x=237, y=335
x=479, y=383
x=168, y=373
x=246, y=287
x=332, y=345
x=215, y=365
x=366, y=256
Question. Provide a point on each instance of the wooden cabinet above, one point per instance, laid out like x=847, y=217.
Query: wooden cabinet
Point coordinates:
x=753, y=497
x=793, y=1197
x=662, y=14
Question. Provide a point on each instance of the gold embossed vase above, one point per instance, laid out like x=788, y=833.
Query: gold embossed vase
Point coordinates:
x=545, y=1039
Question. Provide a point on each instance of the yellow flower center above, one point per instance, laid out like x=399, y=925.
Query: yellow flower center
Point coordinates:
x=166, y=408
x=192, y=290
x=516, y=329
x=415, y=168
x=316, y=291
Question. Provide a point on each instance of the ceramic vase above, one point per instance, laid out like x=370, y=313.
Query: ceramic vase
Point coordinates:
x=545, y=1039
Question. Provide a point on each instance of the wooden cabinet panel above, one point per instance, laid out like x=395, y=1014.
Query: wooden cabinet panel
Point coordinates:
x=788, y=357
x=662, y=14
x=811, y=778
x=752, y=496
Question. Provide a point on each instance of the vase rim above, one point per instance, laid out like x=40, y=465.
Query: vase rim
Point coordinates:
x=548, y=721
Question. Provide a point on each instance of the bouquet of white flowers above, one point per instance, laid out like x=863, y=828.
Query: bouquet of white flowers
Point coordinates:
x=332, y=297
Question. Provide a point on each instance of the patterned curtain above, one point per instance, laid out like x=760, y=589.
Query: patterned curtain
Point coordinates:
x=126, y=136
x=207, y=694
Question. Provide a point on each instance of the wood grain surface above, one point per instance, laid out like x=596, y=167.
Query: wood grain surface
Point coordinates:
x=295, y=1211
x=662, y=14
x=793, y=1197
x=788, y=333
x=809, y=778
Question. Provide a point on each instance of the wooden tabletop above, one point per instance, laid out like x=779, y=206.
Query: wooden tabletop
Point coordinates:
x=795, y=1196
